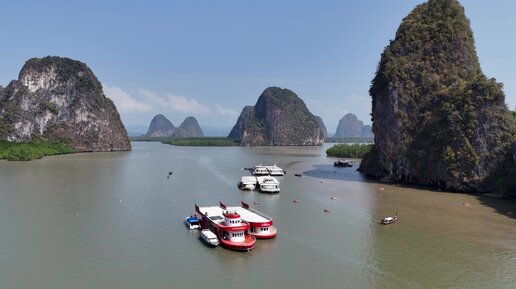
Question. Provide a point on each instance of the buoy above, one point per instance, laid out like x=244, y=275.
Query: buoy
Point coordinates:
x=381, y=189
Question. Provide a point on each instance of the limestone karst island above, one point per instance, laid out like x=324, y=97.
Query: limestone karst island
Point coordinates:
x=59, y=100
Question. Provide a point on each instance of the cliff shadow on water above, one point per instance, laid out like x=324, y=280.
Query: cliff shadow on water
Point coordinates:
x=330, y=172
x=502, y=205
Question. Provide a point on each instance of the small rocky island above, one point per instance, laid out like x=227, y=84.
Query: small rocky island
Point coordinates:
x=60, y=100
x=350, y=126
x=160, y=126
x=279, y=118
x=437, y=119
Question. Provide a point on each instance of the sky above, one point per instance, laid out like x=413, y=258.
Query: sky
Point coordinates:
x=209, y=59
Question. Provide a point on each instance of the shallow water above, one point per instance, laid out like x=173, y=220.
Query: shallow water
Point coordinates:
x=114, y=220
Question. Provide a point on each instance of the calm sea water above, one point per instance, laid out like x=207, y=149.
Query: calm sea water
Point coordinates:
x=114, y=220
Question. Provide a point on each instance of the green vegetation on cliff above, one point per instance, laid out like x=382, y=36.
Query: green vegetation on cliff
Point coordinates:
x=437, y=119
x=32, y=150
x=57, y=98
x=279, y=118
x=348, y=150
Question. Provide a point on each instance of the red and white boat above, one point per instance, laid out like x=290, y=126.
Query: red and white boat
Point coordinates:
x=237, y=227
x=227, y=224
x=261, y=224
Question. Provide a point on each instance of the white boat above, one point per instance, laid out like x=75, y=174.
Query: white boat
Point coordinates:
x=192, y=222
x=275, y=170
x=389, y=220
x=247, y=183
x=209, y=238
x=268, y=184
x=260, y=170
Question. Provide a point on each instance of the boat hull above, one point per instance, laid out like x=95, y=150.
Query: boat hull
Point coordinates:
x=246, y=245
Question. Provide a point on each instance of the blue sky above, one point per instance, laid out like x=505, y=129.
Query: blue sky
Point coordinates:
x=210, y=58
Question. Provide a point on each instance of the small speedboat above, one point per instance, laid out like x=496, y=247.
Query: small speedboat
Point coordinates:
x=192, y=222
x=209, y=238
x=389, y=220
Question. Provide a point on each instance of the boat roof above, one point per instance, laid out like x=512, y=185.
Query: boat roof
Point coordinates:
x=266, y=178
x=248, y=215
x=246, y=179
x=274, y=167
x=215, y=213
x=192, y=219
x=208, y=233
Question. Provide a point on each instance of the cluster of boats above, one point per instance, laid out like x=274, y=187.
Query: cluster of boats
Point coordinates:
x=262, y=179
x=233, y=227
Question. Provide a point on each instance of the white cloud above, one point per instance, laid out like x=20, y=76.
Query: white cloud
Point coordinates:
x=124, y=102
x=173, y=102
x=225, y=111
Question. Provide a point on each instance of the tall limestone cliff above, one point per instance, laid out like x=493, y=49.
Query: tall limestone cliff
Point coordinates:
x=322, y=126
x=189, y=128
x=60, y=99
x=437, y=119
x=160, y=126
x=279, y=118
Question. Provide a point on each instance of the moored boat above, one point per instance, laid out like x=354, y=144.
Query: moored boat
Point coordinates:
x=261, y=225
x=209, y=237
x=343, y=163
x=228, y=226
x=268, y=184
x=192, y=222
x=260, y=170
x=275, y=170
x=247, y=183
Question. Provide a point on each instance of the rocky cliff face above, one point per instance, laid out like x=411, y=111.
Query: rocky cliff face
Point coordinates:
x=280, y=118
x=437, y=119
x=322, y=126
x=350, y=126
x=189, y=128
x=160, y=126
x=60, y=99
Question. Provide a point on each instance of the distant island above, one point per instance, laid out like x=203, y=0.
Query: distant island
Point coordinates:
x=350, y=126
x=160, y=126
x=437, y=119
x=58, y=102
x=279, y=118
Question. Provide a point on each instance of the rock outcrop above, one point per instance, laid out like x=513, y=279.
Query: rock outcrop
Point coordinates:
x=367, y=131
x=279, y=118
x=160, y=126
x=350, y=126
x=437, y=120
x=189, y=128
x=322, y=126
x=60, y=100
